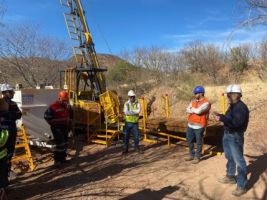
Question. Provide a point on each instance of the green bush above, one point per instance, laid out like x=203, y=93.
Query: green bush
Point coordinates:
x=119, y=73
x=239, y=57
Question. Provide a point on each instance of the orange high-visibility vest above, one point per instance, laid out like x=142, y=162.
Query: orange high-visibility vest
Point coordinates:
x=201, y=119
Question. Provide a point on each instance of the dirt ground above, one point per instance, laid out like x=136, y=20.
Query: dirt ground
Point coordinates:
x=160, y=173
x=97, y=172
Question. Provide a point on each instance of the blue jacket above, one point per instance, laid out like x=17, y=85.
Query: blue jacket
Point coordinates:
x=236, y=118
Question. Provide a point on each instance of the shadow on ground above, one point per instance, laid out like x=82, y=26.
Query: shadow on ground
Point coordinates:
x=152, y=194
x=257, y=169
x=52, y=183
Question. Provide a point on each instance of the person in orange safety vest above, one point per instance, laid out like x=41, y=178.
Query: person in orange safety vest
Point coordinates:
x=198, y=114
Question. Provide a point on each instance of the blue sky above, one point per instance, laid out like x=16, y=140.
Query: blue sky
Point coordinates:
x=127, y=24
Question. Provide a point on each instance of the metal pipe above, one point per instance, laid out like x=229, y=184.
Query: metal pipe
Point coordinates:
x=223, y=106
x=142, y=101
x=167, y=106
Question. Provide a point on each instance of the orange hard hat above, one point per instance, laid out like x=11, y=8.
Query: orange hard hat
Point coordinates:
x=63, y=96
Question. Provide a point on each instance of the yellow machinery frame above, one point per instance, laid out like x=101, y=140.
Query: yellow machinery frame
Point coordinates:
x=89, y=69
x=23, y=145
x=166, y=108
x=88, y=113
x=223, y=104
x=110, y=104
x=167, y=114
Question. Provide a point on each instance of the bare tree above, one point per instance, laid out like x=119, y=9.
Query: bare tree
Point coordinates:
x=155, y=59
x=257, y=12
x=2, y=12
x=263, y=52
x=260, y=60
x=193, y=54
x=213, y=59
x=203, y=58
x=164, y=65
x=37, y=59
x=257, y=15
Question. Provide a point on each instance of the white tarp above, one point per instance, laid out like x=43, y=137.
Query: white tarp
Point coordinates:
x=33, y=103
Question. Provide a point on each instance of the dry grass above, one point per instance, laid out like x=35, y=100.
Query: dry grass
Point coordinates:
x=254, y=95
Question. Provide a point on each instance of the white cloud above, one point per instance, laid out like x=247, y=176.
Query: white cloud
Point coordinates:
x=224, y=38
x=206, y=20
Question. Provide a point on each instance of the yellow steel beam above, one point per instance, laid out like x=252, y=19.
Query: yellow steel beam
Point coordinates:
x=167, y=106
x=144, y=113
x=89, y=41
x=223, y=104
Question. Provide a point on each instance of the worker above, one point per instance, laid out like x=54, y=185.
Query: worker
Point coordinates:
x=4, y=134
x=131, y=111
x=198, y=111
x=235, y=124
x=14, y=114
x=58, y=115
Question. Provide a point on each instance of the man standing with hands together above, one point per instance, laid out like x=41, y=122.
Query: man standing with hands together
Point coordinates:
x=235, y=124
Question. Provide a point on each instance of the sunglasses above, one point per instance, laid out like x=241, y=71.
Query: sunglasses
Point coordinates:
x=229, y=94
x=10, y=91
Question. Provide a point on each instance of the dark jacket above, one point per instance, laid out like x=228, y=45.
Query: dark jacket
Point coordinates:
x=5, y=122
x=236, y=118
x=14, y=111
x=14, y=114
x=4, y=125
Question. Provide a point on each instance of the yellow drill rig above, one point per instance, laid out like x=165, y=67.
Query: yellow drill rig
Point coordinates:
x=95, y=107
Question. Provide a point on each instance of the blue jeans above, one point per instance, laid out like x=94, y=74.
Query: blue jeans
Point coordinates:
x=233, y=149
x=128, y=128
x=192, y=134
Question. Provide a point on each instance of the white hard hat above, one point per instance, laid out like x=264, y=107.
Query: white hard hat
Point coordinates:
x=131, y=93
x=6, y=87
x=234, y=89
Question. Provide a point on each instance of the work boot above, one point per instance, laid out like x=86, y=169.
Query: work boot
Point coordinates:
x=196, y=161
x=138, y=150
x=57, y=164
x=124, y=152
x=227, y=180
x=66, y=162
x=239, y=191
x=189, y=159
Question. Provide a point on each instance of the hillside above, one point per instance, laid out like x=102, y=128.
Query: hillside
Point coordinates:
x=108, y=60
x=43, y=70
x=105, y=60
x=161, y=172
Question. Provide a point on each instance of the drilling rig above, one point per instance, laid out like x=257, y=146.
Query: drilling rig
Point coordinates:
x=96, y=109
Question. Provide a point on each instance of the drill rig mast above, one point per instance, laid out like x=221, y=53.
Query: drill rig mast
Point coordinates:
x=87, y=64
x=86, y=82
